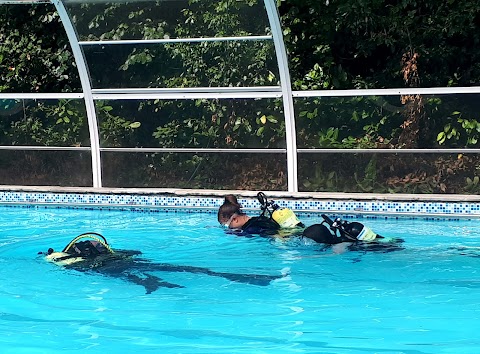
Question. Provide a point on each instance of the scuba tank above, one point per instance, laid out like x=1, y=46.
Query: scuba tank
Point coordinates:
x=78, y=251
x=351, y=231
x=284, y=217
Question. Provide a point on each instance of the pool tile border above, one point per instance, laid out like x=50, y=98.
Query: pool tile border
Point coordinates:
x=172, y=202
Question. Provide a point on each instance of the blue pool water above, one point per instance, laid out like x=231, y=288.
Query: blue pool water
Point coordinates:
x=423, y=299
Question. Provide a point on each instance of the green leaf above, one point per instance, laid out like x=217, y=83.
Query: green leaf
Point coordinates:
x=135, y=125
x=355, y=116
x=272, y=119
x=441, y=137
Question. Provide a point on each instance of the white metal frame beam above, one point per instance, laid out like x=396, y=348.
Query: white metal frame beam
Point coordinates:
x=285, y=82
x=389, y=92
x=87, y=92
x=24, y=2
x=176, y=40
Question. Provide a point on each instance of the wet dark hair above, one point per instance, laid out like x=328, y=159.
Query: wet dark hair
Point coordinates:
x=229, y=207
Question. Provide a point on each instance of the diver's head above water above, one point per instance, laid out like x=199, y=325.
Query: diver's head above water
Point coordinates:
x=230, y=213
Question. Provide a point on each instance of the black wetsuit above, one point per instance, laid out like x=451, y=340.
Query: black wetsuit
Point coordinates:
x=125, y=264
x=267, y=227
x=258, y=225
x=321, y=234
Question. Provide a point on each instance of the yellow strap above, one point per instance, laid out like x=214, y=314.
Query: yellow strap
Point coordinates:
x=91, y=236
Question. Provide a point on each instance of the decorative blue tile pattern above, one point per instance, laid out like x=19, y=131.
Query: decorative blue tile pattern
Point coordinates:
x=153, y=202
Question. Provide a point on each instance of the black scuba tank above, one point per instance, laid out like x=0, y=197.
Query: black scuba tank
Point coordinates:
x=351, y=231
x=353, y=228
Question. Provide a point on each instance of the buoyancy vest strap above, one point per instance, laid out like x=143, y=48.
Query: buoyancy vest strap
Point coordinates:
x=92, y=235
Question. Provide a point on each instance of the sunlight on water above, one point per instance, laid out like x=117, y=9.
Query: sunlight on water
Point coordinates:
x=422, y=299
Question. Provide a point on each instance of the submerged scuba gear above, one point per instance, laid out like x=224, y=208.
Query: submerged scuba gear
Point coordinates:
x=321, y=234
x=353, y=232
x=350, y=231
x=102, y=241
x=77, y=251
x=96, y=255
x=284, y=217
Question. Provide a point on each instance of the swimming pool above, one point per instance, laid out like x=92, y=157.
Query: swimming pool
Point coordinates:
x=423, y=299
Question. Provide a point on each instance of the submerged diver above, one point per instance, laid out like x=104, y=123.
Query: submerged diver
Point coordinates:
x=96, y=255
x=283, y=222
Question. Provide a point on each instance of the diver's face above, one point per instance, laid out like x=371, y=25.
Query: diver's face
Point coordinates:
x=236, y=221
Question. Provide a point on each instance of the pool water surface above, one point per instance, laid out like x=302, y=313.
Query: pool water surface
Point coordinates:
x=421, y=299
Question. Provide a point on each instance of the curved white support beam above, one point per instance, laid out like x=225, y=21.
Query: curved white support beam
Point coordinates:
x=285, y=82
x=87, y=91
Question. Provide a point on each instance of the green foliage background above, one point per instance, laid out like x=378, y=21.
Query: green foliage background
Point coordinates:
x=332, y=44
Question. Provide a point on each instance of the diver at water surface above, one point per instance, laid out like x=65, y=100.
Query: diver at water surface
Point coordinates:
x=231, y=216
x=94, y=254
x=283, y=222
